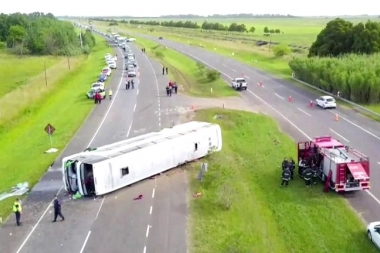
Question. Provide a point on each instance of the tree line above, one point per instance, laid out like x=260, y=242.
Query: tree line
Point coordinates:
x=345, y=58
x=42, y=34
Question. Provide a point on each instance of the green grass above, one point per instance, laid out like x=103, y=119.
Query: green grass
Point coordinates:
x=185, y=72
x=263, y=217
x=65, y=107
x=20, y=71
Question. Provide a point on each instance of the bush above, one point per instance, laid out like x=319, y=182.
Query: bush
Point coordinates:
x=86, y=50
x=212, y=75
x=159, y=54
x=281, y=50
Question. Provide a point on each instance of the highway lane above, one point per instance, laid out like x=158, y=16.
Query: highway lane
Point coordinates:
x=275, y=93
x=38, y=233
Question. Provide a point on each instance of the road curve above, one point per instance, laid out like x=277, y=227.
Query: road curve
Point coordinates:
x=297, y=118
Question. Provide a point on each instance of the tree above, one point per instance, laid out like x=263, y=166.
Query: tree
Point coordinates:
x=281, y=50
x=16, y=35
x=266, y=29
x=252, y=29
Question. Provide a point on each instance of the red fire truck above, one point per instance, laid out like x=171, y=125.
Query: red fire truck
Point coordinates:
x=341, y=167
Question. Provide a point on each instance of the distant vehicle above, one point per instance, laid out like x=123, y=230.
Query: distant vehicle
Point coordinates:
x=340, y=167
x=129, y=67
x=132, y=62
x=107, y=71
x=326, y=102
x=93, y=91
x=373, y=233
x=131, y=56
x=110, y=58
x=99, y=171
x=131, y=39
x=112, y=65
x=97, y=85
x=102, y=78
x=131, y=73
x=160, y=38
x=239, y=84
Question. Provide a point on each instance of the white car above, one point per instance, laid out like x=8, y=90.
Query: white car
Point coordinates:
x=239, y=84
x=107, y=71
x=131, y=39
x=373, y=233
x=110, y=58
x=97, y=85
x=112, y=65
x=326, y=102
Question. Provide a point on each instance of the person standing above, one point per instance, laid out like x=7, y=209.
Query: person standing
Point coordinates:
x=163, y=70
x=110, y=93
x=57, y=209
x=17, y=209
x=167, y=70
x=286, y=175
x=307, y=175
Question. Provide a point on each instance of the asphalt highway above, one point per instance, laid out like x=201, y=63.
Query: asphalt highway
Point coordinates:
x=115, y=223
x=298, y=119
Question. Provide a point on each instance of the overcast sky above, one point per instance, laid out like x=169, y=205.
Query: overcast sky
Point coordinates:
x=152, y=8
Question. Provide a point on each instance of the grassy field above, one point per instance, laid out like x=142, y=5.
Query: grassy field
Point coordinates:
x=185, y=71
x=26, y=81
x=244, y=209
x=65, y=107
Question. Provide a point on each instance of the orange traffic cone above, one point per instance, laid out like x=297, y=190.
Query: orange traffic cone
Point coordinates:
x=336, y=118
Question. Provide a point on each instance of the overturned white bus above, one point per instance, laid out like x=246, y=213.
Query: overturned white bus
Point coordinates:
x=111, y=167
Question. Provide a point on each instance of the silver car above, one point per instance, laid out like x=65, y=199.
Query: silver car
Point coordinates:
x=132, y=73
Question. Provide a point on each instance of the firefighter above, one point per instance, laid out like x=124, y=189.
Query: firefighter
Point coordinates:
x=285, y=163
x=286, y=175
x=292, y=167
x=17, y=209
x=307, y=175
x=110, y=93
x=133, y=84
x=315, y=174
x=301, y=167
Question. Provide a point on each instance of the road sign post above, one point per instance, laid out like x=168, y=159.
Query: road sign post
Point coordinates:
x=49, y=129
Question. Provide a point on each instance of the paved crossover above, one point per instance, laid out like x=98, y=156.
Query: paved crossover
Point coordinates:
x=298, y=119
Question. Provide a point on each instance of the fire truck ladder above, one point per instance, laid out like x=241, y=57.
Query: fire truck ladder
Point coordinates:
x=327, y=182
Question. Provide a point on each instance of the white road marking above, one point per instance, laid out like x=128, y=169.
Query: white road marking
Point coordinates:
x=85, y=242
x=304, y=112
x=151, y=210
x=279, y=113
x=339, y=135
x=279, y=96
x=234, y=70
x=147, y=231
x=144, y=249
x=247, y=77
x=138, y=92
x=224, y=65
x=129, y=129
x=153, y=192
x=100, y=207
x=134, y=109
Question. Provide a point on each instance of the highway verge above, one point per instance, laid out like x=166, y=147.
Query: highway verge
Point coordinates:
x=192, y=77
x=243, y=208
x=64, y=106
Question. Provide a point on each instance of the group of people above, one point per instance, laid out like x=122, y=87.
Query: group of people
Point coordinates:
x=170, y=88
x=130, y=84
x=307, y=169
x=98, y=96
x=57, y=204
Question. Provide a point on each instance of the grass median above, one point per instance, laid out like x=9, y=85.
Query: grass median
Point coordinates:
x=244, y=209
x=65, y=106
x=191, y=76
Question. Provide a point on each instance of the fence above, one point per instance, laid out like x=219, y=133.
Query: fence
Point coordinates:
x=355, y=106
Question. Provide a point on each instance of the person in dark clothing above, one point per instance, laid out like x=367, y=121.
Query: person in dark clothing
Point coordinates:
x=315, y=174
x=301, y=167
x=57, y=209
x=96, y=98
x=168, y=88
x=167, y=70
x=175, y=87
x=285, y=164
x=292, y=167
x=133, y=84
x=307, y=174
x=128, y=84
x=286, y=174
x=163, y=70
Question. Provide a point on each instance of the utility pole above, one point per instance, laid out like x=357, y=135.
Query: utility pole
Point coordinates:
x=45, y=73
x=80, y=37
x=270, y=41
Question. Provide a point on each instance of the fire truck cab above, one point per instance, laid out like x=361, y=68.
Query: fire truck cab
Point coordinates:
x=340, y=167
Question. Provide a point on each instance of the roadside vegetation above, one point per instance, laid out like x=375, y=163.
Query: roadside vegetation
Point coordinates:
x=61, y=103
x=192, y=77
x=244, y=209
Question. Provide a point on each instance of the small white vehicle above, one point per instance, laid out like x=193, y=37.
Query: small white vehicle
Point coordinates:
x=131, y=39
x=107, y=71
x=112, y=65
x=110, y=58
x=97, y=85
x=326, y=102
x=239, y=84
x=373, y=233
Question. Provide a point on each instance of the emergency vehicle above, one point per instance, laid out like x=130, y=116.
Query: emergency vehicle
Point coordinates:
x=98, y=171
x=341, y=167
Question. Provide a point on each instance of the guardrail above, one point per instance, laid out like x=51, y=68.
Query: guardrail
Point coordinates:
x=355, y=106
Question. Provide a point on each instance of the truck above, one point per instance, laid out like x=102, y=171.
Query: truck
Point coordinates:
x=239, y=84
x=99, y=171
x=341, y=167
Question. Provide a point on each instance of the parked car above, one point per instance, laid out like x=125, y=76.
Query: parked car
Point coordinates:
x=97, y=85
x=373, y=233
x=93, y=91
x=326, y=102
x=102, y=78
x=112, y=65
x=131, y=73
x=107, y=71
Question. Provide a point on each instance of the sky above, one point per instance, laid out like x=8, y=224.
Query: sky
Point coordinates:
x=152, y=8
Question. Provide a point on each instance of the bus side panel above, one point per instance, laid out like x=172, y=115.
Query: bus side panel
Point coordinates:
x=101, y=176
